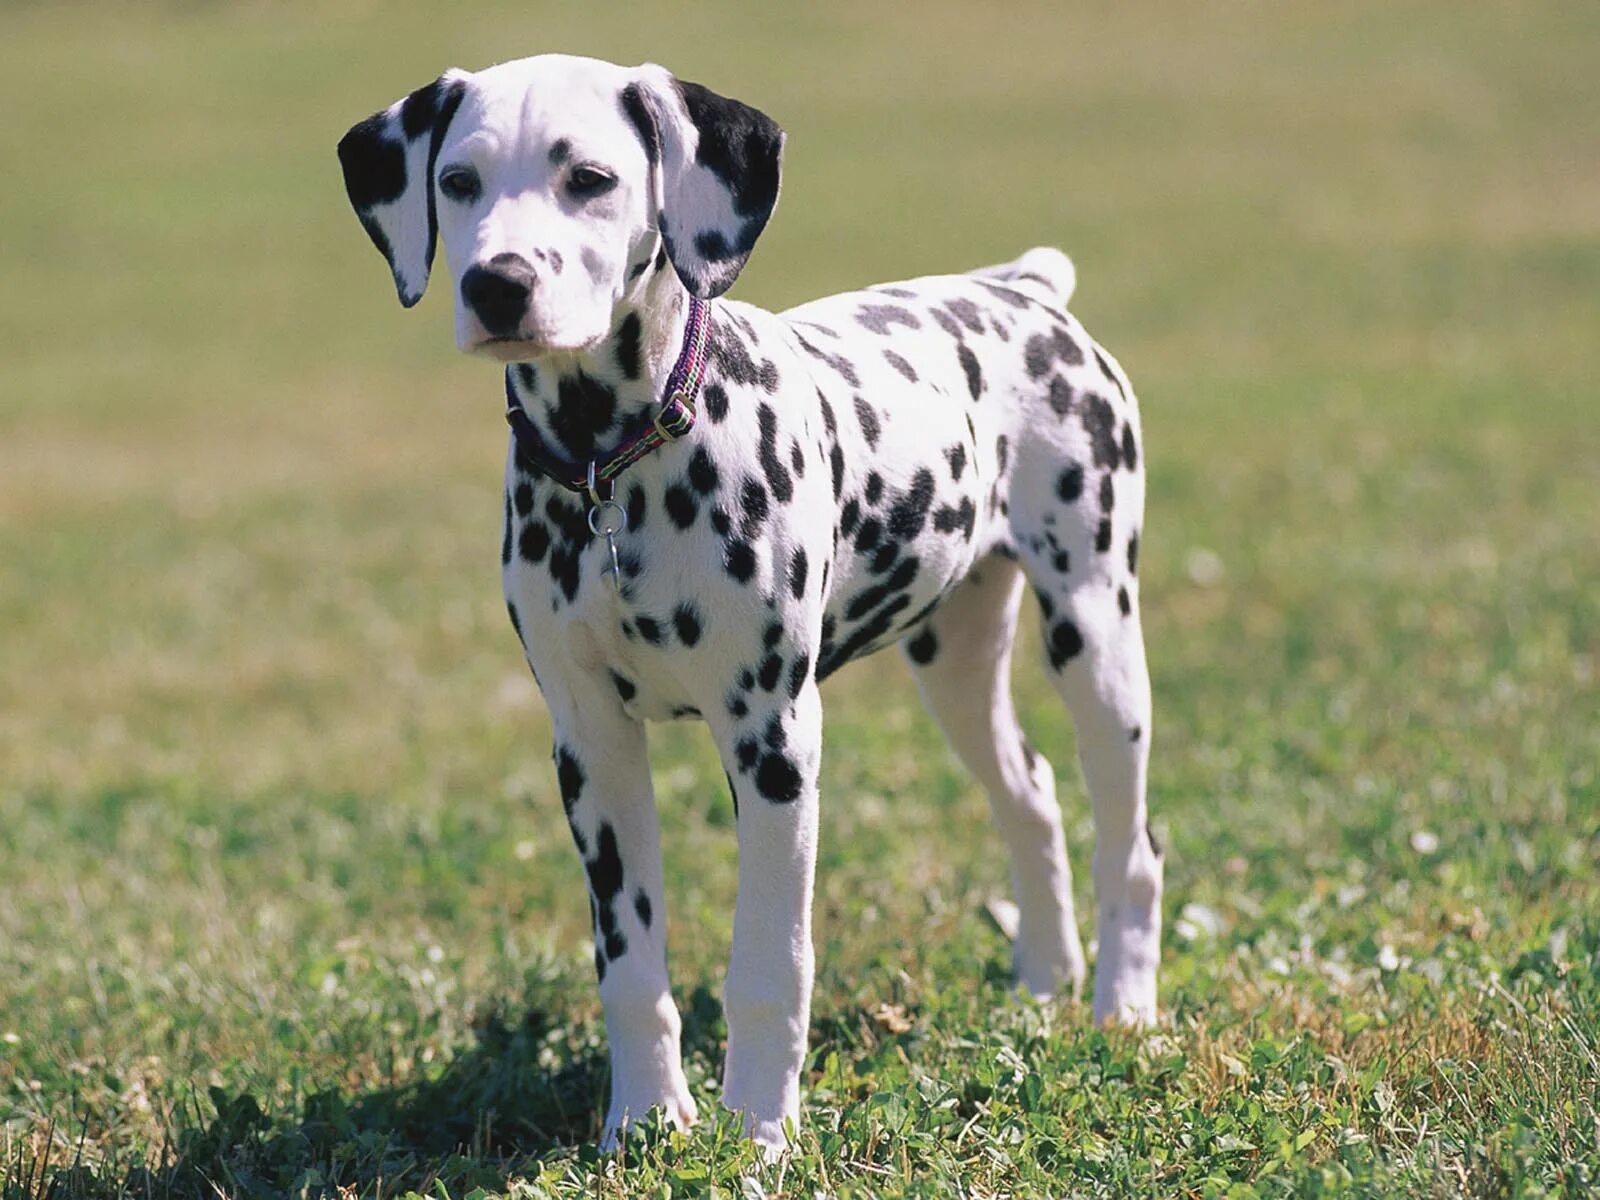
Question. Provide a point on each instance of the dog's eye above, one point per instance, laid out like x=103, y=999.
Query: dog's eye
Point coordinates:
x=460, y=183
x=585, y=182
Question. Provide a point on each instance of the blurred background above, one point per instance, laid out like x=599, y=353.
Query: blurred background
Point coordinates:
x=276, y=814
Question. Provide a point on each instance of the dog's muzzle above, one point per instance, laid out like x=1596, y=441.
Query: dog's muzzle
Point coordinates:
x=497, y=293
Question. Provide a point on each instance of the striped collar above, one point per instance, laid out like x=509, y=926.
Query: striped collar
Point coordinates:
x=597, y=479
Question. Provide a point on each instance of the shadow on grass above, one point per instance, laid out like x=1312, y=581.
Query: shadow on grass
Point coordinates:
x=530, y=1089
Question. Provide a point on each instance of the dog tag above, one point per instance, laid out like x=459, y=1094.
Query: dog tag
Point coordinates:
x=607, y=519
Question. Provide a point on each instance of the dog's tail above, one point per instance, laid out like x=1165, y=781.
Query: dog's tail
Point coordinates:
x=1043, y=271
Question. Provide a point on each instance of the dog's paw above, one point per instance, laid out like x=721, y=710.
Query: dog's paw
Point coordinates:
x=680, y=1112
x=1048, y=972
x=770, y=1136
x=1132, y=1008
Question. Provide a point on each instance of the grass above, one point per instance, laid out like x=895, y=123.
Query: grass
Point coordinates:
x=286, y=903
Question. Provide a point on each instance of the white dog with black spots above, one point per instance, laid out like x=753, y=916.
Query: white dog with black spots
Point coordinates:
x=888, y=465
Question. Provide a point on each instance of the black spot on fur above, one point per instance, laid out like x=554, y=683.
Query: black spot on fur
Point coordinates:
x=570, y=777
x=966, y=312
x=523, y=497
x=702, y=472
x=1130, y=448
x=867, y=537
x=799, y=669
x=1066, y=643
x=798, y=568
x=836, y=465
x=681, y=506
x=1133, y=554
x=778, y=779
x=845, y=368
x=963, y=517
x=870, y=598
x=639, y=110
x=778, y=477
x=1108, y=493
x=585, y=410
x=1102, y=536
x=534, y=541
x=956, y=456
x=909, y=513
x=771, y=669
x=627, y=346
x=635, y=508
x=901, y=365
x=650, y=630
x=1061, y=396
x=923, y=648
x=1123, y=602
x=747, y=752
x=686, y=620
x=605, y=883
x=1100, y=423
x=641, y=907
x=1070, y=484
x=740, y=561
x=731, y=356
x=1105, y=369
x=624, y=686
x=716, y=402
x=870, y=429
x=775, y=736
x=879, y=317
x=1042, y=351
x=970, y=368
x=753, y=499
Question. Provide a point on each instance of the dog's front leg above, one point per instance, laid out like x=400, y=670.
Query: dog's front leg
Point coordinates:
x=772, y=754
x=604, y=775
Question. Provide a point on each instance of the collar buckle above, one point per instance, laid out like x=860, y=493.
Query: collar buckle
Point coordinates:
x=677, y=404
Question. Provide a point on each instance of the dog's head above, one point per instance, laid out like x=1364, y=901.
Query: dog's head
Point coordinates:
x=558, y=184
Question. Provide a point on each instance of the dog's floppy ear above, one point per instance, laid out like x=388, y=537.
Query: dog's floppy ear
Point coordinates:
x=388, y=162
x=718, y=163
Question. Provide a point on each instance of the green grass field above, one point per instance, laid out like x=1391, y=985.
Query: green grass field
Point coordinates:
x=286, y=902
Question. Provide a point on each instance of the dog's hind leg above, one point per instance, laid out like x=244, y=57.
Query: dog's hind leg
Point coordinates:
x=1094, y=651
x=962, y=660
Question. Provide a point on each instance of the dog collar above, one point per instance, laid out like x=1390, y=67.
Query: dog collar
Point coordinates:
x=597, y=479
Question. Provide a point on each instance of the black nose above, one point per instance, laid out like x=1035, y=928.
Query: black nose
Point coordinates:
x=498, y=292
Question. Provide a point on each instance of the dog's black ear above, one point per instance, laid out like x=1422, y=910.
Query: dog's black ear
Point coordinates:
x=718, y=165
x=388, y=162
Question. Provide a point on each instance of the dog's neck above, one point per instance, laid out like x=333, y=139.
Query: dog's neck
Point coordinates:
x=585, y=403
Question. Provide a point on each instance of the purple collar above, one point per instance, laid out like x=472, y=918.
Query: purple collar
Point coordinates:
x=598, y=479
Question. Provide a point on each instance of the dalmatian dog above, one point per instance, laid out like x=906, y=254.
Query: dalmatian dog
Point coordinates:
x=710, y=508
